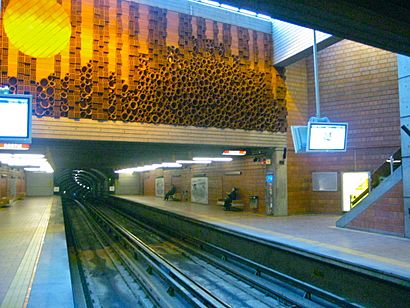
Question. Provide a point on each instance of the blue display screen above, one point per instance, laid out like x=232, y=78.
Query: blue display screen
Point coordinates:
x=269, y=178
x=15, y=118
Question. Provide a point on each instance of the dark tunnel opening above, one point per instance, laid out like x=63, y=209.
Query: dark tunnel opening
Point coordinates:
x=84, y=183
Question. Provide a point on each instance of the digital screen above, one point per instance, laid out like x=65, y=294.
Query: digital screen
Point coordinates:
x=327, y=137
x=15, y=118
x=299, y=137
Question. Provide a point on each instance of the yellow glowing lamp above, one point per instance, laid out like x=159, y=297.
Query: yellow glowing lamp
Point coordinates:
x=38, y=28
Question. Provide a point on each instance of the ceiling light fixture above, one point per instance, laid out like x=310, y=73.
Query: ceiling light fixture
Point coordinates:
x=247, y=12
x=213, y=3
x=171, y=165
x=226, y=159
x=229, y=7
x=266, y=17
x=33, y=162
x=194, y=161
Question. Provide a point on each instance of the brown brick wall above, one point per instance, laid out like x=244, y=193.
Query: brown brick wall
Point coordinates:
x=123, y=55
x=250, y=182
x=3, y=187
x=6, y=173
x=385, y=215
x=299, y=182
x=358, y=85
x=149, y=183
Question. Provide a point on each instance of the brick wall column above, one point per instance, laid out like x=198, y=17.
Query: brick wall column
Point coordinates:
x=404, y=97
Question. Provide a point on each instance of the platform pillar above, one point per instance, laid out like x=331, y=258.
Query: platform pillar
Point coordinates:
x=403, y=63
x=280, y=183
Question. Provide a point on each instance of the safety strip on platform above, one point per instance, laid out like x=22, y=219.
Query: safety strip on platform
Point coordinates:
x=19, y=290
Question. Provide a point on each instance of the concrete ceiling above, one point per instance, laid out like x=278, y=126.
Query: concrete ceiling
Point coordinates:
x=70, y=154
x=383, y=24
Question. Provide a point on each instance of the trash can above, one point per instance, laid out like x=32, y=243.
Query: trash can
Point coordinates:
x=253, y=202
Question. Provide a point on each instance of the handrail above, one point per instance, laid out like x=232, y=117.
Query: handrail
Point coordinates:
x=358, y=198
x=377, y=175
x=385, y=169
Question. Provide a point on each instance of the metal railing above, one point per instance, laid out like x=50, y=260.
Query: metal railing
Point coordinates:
x=378, y=175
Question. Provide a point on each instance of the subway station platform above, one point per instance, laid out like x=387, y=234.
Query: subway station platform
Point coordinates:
x=313, y=233
x=34, y=267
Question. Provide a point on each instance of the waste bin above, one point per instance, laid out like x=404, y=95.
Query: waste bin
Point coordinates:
x=253, y=202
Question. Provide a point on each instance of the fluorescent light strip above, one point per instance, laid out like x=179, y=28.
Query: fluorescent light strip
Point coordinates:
x=234, y=9
x=247, y=12
x=213, y=3
x=177, y=164
x=171, y=165
x=229, y=8
x=194, y=161
x=33, y=162
x=265, y=17
x=213, y=158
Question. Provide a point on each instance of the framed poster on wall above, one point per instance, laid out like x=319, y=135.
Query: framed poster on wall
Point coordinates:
x=159, y=187
x=199, y=190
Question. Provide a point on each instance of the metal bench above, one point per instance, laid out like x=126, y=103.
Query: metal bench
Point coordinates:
x=176, y=197
x=4, y=201
x=237, y=204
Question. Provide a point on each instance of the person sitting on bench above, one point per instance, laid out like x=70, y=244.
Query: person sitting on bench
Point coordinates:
x=229, y=198
x=170, y=193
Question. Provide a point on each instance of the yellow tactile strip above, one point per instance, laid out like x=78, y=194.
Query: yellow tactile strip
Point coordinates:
x=19, y=290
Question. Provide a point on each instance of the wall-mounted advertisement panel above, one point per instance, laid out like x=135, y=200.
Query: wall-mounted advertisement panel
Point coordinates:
x=199, y=190
x=355, y=186
x=159, y=187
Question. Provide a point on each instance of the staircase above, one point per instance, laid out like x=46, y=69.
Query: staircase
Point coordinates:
x=381, y=181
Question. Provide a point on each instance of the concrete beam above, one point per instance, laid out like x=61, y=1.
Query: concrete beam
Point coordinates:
x=87, y=129
x=206, y=11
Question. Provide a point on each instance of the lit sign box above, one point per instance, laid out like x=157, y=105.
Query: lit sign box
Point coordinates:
x=15, y=118
x=269, y=178
x=14, y=146
x=234, y=152
x=326, y=137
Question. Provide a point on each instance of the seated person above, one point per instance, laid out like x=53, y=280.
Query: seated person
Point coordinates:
x=171, y=192
x=229, y=198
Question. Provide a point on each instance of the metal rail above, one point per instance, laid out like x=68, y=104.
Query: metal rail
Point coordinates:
x=192, y=291
x=309, y=292
x=154, y=293
x=76, y=259
x=333, y=275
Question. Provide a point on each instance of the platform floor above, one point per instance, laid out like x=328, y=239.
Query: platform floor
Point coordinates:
x=34, y=269
x=314, y=233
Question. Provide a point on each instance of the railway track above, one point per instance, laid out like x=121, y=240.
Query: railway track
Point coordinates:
x=192, y=273
x=108, y=273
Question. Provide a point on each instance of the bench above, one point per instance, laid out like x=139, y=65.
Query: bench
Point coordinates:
x=4, y=201
x=176, y=197
x=237, y=204
x=20, y=196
